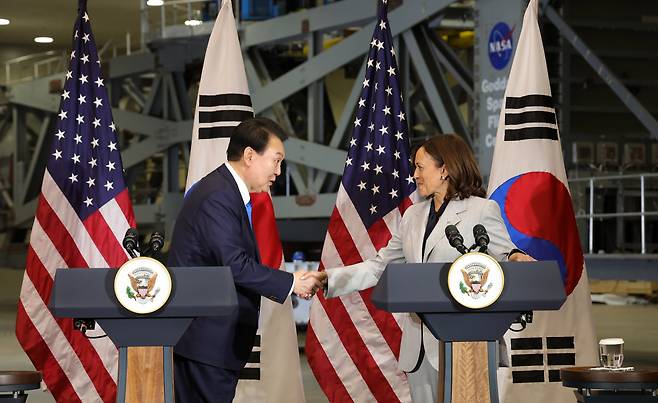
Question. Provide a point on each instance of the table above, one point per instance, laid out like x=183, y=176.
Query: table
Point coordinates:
x=638, y=386
x=16, y=383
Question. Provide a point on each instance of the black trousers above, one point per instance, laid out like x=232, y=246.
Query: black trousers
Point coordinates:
x=196, y=382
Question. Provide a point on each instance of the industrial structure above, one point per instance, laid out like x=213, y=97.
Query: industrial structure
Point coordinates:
x=303, y=63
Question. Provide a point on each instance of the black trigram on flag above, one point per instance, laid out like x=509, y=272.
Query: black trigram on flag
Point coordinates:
x=539, y=359
x=219, y=114
x=251, y=371
x=530, y=117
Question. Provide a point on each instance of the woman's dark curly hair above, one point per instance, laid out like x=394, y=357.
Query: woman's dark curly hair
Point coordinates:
x=464, y=179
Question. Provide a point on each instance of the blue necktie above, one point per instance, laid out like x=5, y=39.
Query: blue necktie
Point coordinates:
x=248, y=207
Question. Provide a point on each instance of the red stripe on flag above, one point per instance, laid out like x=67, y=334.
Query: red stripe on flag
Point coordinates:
x=91, y=361
x=347, y=250
x=379, y=234
x=388, y=326
x=123, y=200
x=405, y=205
x=106, y=242
x=324, y=372
x=41, y=280
x=59, y=235
x=340, y=318
x=358, y=350
x=42, y=358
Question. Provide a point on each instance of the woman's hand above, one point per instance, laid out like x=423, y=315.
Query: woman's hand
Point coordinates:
x=320, y=276
x=521, y=257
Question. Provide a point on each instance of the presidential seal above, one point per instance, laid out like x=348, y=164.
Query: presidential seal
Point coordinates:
x=475, y=280
x=142, y=285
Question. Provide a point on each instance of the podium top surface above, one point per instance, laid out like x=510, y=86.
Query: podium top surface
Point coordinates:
x=197, y=291
x=422, y=288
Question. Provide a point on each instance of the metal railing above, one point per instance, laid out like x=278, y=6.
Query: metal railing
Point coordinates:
x=619, y=182
x=183, y=16
x=30, y=67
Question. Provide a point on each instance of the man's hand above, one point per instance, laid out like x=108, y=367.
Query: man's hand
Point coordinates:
x=320, y=275
x=306, y=284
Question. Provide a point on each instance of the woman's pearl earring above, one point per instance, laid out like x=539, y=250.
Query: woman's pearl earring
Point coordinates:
x=444, y=177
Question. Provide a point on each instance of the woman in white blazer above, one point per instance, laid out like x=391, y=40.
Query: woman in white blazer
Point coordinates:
x=447, y=175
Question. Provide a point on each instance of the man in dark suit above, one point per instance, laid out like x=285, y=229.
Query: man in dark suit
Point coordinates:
x=214, y=229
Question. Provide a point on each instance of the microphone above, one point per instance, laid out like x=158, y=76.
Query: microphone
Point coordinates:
x=131, y=242
x=481, y=237
x=155, y=243
x=455, y=239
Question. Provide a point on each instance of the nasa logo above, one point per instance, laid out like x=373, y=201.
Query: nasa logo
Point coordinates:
x=500, y=45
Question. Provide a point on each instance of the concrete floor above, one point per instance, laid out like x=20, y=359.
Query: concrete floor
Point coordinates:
x=637, y=324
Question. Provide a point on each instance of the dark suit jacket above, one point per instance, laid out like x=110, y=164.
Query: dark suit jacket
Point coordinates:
x=213, y=229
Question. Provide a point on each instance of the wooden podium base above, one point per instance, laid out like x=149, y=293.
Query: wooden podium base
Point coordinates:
x=145, y=375
x=468, y=372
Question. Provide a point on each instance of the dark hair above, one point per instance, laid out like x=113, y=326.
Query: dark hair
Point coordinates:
x=464, y=178
x=254, y=133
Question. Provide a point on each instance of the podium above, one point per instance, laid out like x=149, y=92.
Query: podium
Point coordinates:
x=145, y=342
x=422, y=288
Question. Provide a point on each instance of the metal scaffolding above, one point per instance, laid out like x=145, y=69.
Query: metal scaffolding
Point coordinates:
x=153, y=91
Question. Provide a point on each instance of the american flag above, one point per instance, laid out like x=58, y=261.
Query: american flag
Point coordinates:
x=352, y=347
x=83, y=212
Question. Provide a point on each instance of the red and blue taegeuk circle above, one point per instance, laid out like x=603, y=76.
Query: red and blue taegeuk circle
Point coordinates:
x=538, y=213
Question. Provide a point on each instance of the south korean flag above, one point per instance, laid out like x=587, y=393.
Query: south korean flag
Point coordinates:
x=223, y=100
x=529, y=182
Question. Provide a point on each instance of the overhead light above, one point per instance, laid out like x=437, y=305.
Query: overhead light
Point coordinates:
x=4, y=21
x=192, y=23
x=154, y=3
x=43, y=39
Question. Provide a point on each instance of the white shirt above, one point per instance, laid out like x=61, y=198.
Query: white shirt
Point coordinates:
x=242, y=187
x=246, y=198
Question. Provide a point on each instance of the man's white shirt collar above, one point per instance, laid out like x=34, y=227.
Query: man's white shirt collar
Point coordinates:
x=242, y=187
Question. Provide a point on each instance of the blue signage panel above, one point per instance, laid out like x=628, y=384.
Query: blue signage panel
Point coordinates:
x=500, y=45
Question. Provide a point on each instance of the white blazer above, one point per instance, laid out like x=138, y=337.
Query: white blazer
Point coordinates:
x=406, y=245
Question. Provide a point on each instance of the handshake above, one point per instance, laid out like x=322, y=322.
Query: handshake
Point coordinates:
x=307, y=283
